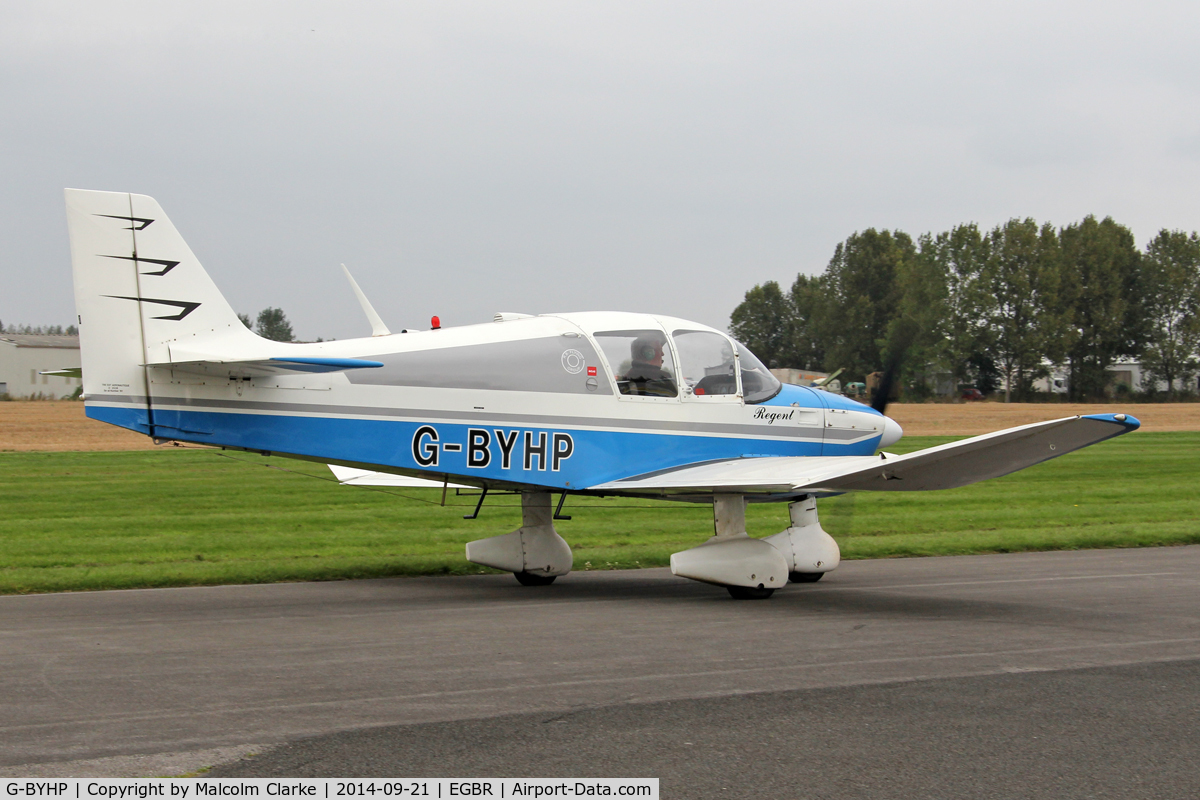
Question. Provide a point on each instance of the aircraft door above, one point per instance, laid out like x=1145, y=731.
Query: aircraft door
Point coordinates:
x=641, y=363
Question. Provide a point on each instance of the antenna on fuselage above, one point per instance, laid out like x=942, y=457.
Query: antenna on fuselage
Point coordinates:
x=377, y=326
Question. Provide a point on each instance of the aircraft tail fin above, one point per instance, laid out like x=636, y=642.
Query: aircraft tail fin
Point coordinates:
x=139, y=291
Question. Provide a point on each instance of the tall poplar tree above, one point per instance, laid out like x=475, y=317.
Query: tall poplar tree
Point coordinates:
x=273, y=324
x=864, y=293
x=762, y=322
x=1102, y=287
x=1171, y=273
x=959, y=255
x=1018, y=292
x=809, y=302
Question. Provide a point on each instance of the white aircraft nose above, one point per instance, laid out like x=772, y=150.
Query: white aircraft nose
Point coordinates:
x=891, y=432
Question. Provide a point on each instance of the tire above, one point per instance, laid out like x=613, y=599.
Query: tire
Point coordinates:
x=749, y=592
x=531, y=579
x=805, y=577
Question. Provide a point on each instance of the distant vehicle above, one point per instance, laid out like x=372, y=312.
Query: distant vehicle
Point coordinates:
x=855, y=389
x=598, y=403
x=875, y=381
x=972, y=393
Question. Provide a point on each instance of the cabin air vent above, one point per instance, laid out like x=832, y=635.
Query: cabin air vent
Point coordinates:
x=509, y=316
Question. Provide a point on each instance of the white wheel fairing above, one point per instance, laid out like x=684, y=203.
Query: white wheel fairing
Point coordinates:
x=734, y=561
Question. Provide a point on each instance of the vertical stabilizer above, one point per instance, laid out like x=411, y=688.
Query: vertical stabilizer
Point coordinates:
x=139, y=291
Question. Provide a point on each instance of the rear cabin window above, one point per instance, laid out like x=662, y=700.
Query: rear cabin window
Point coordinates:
x=641, y=362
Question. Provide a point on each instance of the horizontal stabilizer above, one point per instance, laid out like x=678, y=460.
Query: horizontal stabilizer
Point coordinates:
x=946, y=466
x=69, y=372
x=266, y=366
x=348, y=476
x=323, y=364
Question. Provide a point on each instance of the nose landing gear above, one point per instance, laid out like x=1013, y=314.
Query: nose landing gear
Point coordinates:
x=748, y=568
x=752, y=569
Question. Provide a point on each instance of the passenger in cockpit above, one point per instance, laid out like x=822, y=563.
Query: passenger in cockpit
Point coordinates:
x=646, y=374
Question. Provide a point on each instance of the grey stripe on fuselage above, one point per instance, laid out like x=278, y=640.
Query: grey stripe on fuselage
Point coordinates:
x=841, y=435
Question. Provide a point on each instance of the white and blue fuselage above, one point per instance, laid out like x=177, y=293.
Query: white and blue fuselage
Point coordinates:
x=523, y=401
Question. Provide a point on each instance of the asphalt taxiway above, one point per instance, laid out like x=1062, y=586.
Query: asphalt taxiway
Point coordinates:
x=907, y=675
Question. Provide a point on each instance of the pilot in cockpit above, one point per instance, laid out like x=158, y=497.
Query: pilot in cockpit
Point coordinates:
x=646, y=374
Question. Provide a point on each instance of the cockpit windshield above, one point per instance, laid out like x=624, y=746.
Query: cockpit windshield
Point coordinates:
x=705, y=362
x=758, y=384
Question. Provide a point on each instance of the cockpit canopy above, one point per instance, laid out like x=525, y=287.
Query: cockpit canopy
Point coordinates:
x=699, y=363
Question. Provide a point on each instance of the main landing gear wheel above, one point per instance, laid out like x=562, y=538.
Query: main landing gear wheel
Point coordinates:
x=530, y=579
x=749, y=592
x=805, y=577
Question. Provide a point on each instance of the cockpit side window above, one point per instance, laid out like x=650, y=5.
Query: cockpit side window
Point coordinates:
x=758, y=384
x=641, y=362
x=706, y=363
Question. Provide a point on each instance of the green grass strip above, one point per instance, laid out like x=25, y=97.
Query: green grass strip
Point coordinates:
x=180, y=517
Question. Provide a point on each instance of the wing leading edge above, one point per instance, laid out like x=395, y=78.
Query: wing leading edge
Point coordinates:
x=946, y=466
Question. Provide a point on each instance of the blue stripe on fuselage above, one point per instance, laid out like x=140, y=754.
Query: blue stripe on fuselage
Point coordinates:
x=596, y=456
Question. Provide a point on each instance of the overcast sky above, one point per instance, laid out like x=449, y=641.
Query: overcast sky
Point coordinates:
x=467, y=158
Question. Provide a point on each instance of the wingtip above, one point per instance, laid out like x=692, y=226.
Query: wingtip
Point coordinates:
x=1130, y=422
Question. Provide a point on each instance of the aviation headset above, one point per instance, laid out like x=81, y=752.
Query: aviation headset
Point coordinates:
x=643, y=349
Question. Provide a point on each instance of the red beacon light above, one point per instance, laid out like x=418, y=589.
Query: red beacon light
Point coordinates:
x=435, y=323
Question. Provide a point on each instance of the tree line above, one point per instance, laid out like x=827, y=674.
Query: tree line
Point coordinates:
x=991, y=308
x=39, y=330
x=271, y=323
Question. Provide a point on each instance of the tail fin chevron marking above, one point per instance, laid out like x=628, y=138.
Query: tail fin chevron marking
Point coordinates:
x=131, y=219
x=167, y=266
x=186, y=306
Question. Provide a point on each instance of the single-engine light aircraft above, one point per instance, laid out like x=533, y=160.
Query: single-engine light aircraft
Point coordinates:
x=594, y=403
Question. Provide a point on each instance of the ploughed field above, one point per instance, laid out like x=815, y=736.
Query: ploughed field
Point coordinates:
x=972, y=419
x=111, y=517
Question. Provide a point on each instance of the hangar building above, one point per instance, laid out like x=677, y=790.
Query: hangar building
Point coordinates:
x=23, y=356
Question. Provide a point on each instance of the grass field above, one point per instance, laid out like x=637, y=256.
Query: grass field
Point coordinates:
x=174, y=517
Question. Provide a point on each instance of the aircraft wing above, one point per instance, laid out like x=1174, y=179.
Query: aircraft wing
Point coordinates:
x=946, y=466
